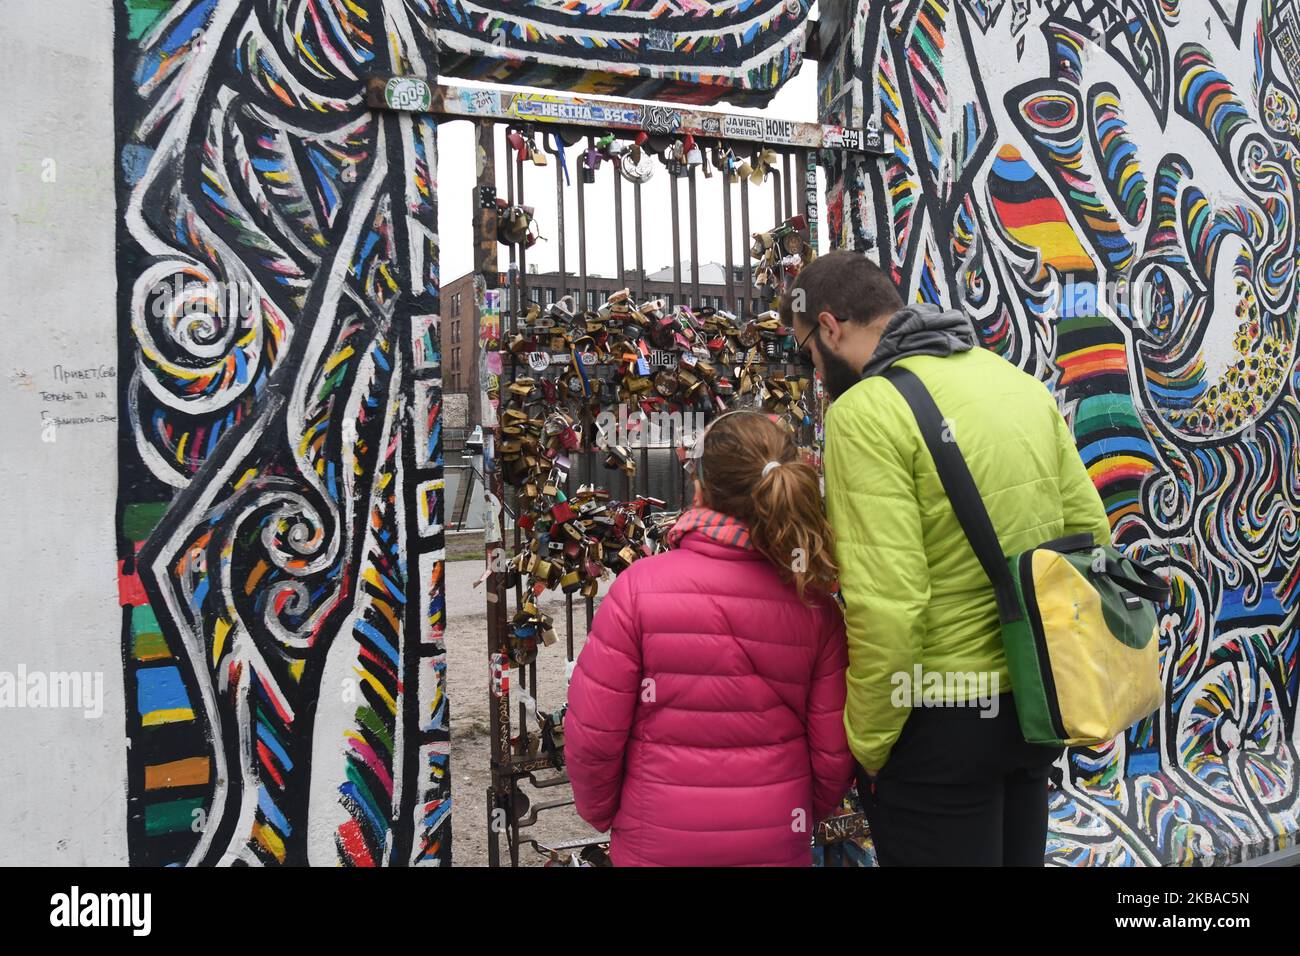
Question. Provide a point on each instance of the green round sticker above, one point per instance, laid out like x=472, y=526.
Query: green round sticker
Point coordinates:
x=408, y=93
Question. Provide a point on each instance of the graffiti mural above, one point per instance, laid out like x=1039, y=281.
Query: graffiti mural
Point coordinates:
x=696, y=51
x=1114, y=203
x=280, y=464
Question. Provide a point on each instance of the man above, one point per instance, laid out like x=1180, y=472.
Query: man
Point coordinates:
x=956, y=783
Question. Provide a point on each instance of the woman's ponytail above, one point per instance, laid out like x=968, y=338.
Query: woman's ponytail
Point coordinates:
x=752, y=470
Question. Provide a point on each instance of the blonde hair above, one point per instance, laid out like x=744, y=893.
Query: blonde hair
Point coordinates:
x=781, y=504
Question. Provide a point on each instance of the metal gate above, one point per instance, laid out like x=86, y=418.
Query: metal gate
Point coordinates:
x=569, y=383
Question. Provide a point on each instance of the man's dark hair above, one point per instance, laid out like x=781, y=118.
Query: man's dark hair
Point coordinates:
x=846, y=284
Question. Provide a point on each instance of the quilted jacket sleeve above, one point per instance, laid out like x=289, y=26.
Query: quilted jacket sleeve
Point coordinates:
x=884, y=574
x=832, y=763
x=1080, y=503
x=602, y=700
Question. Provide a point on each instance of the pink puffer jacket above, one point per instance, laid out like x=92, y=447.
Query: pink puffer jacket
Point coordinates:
x=705, y=721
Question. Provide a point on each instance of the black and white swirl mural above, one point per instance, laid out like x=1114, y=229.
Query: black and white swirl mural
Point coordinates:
x=1110, y=189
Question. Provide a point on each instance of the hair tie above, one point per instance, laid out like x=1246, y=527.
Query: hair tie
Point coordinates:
x=769, y=466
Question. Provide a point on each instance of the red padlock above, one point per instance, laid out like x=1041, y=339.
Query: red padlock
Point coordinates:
x=518, y=143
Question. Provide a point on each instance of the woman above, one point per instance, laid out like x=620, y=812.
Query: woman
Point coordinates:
x=705, y=723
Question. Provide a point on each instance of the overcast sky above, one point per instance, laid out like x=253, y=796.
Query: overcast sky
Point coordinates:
x=796, y=100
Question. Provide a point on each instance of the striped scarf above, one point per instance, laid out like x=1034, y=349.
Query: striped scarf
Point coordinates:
x=720, y=527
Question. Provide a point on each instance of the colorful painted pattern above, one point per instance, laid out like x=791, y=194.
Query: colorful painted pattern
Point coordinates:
x=686, y=50
x=281, y=527
x=1116, y=211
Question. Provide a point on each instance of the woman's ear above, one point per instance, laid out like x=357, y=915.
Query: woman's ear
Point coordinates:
x=697, y=500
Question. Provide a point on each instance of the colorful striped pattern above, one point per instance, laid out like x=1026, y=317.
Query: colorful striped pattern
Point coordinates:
x=1053, y=122
x=1205, y=97
x=1117, y=155
x=172, y=784
x=1113, y=443
x=1031, y=216
x=902, y=182
x=714, y=525
x=925, y=83
x=740, y=50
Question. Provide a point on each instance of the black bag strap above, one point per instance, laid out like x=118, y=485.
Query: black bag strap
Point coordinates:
x=962, y=491
x=1146, y=583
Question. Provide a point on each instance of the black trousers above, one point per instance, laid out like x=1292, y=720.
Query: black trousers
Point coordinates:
x=960, y=789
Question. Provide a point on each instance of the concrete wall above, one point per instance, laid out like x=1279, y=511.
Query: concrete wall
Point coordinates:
x=64, y=787
x=1047, y=173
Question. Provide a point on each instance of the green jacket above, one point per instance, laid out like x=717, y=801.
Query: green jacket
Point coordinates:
x=913, y=589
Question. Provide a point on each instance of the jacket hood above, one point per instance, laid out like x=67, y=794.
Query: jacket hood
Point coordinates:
x=922, y=329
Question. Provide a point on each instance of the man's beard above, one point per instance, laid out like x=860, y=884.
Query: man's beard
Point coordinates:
x=838, y=375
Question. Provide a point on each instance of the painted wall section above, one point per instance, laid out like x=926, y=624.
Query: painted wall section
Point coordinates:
x=1110, y=191
x=279, y=458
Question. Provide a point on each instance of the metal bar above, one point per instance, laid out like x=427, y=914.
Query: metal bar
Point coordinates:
x=568, y=620
x=512, y=288
x=640, y=259
x=731, y=303
x=559, y=154
x=643, y=479
x=787, y=183
x=523, y=246
x=808, y=195
x=618, y=226
x=582, y=237
x=746, y=283
x=693, y=213
x=778, y=210
x=385, y=92
x=677, y=240
x=484, y=226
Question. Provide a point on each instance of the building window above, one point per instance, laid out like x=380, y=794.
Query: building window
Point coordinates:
x=550, y=296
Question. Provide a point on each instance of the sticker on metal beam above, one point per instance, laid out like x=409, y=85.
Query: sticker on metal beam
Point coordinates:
x=414, y=94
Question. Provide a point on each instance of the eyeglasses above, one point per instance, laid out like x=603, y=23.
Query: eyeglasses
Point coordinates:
x=798, y=346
